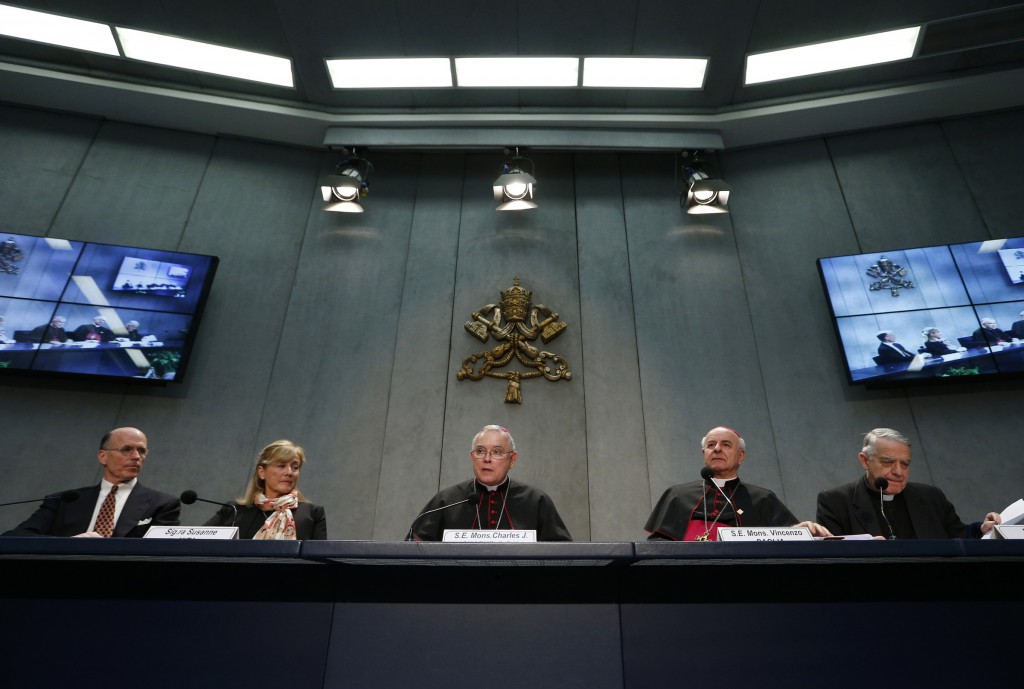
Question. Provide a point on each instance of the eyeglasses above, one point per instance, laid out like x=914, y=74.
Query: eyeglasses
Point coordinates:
x=887, y=462
x=480, y=453
x=127, y=450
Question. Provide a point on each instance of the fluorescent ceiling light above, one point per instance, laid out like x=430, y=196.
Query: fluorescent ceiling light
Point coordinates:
x=518, y=72
x=413, y=72
x=205, y=57
x=832, y=56
x=644, y=72
x=56, y=30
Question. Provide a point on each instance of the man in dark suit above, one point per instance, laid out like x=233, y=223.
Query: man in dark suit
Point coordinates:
x=119, y=506
x=890, y=351
x=51, y=332
x=897, y=509
x=1017, y=329
x=97, y=330
x=990, y=334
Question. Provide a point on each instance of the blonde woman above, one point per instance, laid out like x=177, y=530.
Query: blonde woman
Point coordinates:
x=272, y=507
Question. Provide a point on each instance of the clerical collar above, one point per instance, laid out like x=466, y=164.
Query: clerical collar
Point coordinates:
x=721, y=482
x=492, y=488
x=885, y=496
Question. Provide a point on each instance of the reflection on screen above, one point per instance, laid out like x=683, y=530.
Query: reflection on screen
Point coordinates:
x=926, y=313
x=99, y=310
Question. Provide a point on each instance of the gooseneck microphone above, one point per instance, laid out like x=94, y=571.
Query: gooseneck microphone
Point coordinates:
x=881, y=484
x=473, y=499
x=65, y=496
x=189, y=497
x=707, y=473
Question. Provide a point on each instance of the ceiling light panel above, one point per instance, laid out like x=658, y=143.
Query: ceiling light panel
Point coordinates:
x=644, y=72
x=832, y=56
x=418, y=72
x=517, y=72
x=205, y=57
x=57, y=30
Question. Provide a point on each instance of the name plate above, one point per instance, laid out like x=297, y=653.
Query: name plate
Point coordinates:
x=216, y=533
x=765, y=533
x=476, y=536
x=1009, y=530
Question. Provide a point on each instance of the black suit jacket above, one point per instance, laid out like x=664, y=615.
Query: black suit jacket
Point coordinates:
x=99, y=333
x=47, y=333
x=888, y=355
x=849, y=509
x=1017, y=330
x=986, y=336
x=310, y=521
x=938, y=348
x=144, y=508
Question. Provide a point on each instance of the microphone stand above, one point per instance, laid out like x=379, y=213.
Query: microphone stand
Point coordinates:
x=881, y=484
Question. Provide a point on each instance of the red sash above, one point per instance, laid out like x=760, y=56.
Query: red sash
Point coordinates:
x=695, y=529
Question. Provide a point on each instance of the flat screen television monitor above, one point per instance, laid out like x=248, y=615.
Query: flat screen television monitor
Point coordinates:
x=92, y=310
x=933, y=313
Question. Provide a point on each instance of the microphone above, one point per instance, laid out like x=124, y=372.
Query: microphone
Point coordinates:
x=473, y=499
x=707, y=473
x=881, y=484
x=189, y=497
x=65, y=496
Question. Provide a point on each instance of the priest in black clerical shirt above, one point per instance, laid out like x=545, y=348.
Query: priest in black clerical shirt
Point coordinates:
x=883, y=502
x=694, y=511
x=492, y=500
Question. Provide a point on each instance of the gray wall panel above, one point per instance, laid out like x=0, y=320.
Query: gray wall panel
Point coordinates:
x=788, y=212
x=332, y=371
x=698, y=360
x=987, y=151
x=411, y=462
x=897, y=183
x=250, y=211
x=540, y=247
x=41, y=154
x=136, y=187
x=616, y=450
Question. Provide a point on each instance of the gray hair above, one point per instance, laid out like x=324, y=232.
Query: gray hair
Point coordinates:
x=499, y=429
x=743, y=443
x=927, y=332
x=872, y=437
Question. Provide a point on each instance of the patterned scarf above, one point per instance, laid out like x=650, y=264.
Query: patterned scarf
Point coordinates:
x=280, y=526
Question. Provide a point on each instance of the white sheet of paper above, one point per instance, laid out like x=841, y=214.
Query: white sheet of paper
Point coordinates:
x=1013, y=514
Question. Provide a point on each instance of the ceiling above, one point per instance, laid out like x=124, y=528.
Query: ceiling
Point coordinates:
x=970, y=60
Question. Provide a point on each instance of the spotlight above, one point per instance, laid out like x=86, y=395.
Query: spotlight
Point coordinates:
x=705, y=191
x=343, y=190
x=514, y=187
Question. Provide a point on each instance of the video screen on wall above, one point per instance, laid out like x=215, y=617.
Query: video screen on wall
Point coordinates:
x=84, y=309
x=931, y=313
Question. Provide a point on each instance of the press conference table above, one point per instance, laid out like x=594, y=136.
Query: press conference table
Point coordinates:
x=616, y=614
x=1010, y=357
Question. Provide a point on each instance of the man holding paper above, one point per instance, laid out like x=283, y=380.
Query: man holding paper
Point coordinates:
x=883, y=502
x=491, y=501
x=695, y=511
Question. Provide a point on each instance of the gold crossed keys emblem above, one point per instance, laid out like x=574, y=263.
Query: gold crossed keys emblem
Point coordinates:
x=508, y=325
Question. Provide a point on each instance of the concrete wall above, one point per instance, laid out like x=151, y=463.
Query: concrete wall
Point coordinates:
x=344, y=333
